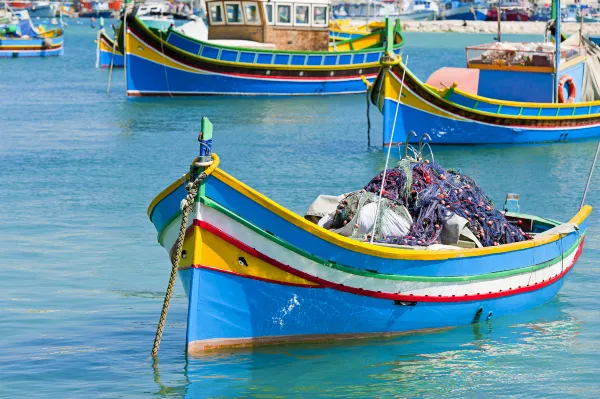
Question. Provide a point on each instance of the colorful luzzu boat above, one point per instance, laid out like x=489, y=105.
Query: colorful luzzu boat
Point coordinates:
x=256, y=273
x=342, y=29
x=252, y=53
x=506, y=95
x=106, y=51
x=24, y=40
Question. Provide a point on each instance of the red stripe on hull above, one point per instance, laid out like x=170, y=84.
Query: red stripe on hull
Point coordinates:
x=359, y=291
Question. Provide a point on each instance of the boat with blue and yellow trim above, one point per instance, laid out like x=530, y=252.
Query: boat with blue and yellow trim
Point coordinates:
x=344, y=29
x=256, y=273
x=22, y=39
x=253, y=48
x=509, y=93
x=108, y=52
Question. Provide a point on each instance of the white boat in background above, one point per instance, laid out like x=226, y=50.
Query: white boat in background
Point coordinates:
x=419, y=10
x=467, y=10
x=154, y=8
x=373, y=10
x=44, y=9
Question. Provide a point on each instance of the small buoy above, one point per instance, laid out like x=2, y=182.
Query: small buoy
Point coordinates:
x=519, y=222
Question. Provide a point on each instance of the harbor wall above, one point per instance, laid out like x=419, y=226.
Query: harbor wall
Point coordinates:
x=492, y=27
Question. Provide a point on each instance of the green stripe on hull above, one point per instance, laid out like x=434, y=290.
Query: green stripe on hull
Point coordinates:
x=360, y=272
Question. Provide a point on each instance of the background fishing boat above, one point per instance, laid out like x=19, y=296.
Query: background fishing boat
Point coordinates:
x=509, y=93
x=419, y=10
x=106, y=47
x=256, y=273
x=108, y=52
x=345, y=29
x=254, y=48
x=512, y=10
x=473, y=10
x=25, y=40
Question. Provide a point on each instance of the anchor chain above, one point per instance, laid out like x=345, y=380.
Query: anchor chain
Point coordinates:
x=186, y=207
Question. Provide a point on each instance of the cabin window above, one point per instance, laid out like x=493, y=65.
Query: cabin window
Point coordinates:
x=284, y=14
x=269, y=8
x=302, y=14
x=234, y=13
x=251, y=13
x=319, y=16
x=216, y=13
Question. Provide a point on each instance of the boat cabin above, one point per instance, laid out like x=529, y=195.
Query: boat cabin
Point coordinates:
x=300, y=25
x=522, y=72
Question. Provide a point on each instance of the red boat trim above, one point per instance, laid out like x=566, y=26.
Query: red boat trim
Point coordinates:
x=401, y=297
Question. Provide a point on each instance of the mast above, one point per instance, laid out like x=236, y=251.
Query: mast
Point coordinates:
x=557, y=36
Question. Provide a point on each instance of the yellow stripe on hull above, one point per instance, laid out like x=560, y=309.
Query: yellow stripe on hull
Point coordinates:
x=392, y=88
x=104, y=46
x=136, y=47
x=204, y=249
x=391, y=91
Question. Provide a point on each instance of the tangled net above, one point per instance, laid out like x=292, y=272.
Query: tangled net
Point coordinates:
x=432, y=195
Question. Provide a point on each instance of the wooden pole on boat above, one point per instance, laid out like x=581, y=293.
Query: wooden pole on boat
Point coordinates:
x=112, y=60
x=499, y=12
x=580, y=26
x=587, y=185
x=387, y=159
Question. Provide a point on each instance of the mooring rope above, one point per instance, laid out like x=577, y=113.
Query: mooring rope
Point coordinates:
x=162, y=49
x=186, y=207
x=587, y=185
x=387, y=159
x=112, y=60
x=368, y=120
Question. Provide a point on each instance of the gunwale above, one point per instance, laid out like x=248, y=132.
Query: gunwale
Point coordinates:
x=353, y=245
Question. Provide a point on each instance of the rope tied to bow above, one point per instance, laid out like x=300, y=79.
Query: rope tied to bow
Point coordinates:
x=186, y=206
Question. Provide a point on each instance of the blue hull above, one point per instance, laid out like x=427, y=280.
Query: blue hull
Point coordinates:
x=468, y=16
x=148, y=78
x=451, y=131
x=17, y=48
x=30, y=53
x=224, y=306
x=105, y=57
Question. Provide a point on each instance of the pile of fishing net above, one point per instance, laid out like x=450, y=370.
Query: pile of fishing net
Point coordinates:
x=422, y=204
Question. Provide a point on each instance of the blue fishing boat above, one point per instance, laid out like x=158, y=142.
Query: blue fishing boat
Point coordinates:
x=470, y=10
x=24, y=40
x=108, y=52
x=509, y=93
x=256, y=273
x=254, y=48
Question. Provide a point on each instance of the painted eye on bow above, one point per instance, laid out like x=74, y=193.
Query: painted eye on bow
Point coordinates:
x=242, y=261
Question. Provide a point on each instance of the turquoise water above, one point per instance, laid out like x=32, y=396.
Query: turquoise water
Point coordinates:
x=82, y=277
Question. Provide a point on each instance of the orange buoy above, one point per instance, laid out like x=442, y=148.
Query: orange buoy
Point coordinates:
x=566, y=79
